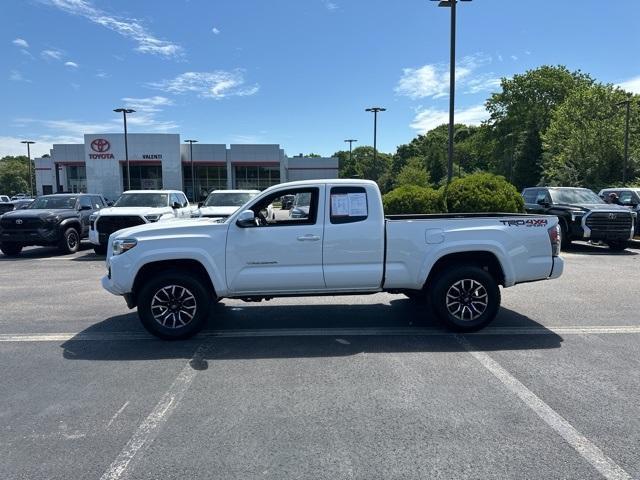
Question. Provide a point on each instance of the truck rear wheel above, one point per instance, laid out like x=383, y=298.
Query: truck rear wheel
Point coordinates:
x=11, y=249
x=465, y=299
x=173, y=306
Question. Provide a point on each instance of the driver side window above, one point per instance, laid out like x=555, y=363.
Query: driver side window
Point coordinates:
x=303, y=210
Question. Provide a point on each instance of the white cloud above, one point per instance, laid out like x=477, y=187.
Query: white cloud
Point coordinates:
x=632, y=85
x=16, y=76
x=215, y=31
x=217, y=84
x=429, y=118
x=482, y=83
x=12, y=146
x=514, y=57
x=102, y=75
x=331, y=6
x=127, y=27
x=52, y=54
x=71, y=64
x=432, y=80
x=20, y=42
x=500, y=58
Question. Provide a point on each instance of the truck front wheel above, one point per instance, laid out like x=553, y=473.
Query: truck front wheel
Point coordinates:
x=11, y=249
x=465, y=299
x=173, y=306
x=70, y=241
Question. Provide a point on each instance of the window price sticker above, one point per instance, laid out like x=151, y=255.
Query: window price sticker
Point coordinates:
x=349, y=205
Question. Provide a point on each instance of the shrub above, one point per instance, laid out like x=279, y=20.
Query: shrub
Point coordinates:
x=413, y=199
x=482, y=192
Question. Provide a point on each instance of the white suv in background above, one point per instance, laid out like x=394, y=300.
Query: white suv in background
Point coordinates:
x=136, y=207
x=223, y=203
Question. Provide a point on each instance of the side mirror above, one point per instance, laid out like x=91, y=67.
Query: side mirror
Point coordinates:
x=543, y=202
x=246, y=219
x=85, y=207
x=109, y=204
x=200, y=204
x=176, y=205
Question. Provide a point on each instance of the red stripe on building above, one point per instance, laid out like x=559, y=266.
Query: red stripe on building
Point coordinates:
x=205, y=163
x=312, y=168
x=254, y=164
x=70, y=164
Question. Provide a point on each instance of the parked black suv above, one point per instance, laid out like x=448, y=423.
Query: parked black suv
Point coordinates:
x=61, y=219
x=583, y=215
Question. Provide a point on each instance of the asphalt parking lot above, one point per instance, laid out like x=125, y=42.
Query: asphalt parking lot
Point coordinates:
x=307, y=388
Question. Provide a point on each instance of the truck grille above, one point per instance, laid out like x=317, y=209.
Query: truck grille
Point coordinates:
x=108, y=224
x=25, y=223
x=609, y=222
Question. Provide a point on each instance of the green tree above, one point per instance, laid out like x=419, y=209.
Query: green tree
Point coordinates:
x=362, y=165
x=482, y=192
x=413, y=199
x=521, y=112
x=413, y=173
x=14, y=175
x=584, y=143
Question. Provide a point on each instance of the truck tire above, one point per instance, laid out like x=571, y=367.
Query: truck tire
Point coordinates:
x=70, y=241
x=618, y=246
x=465, y=299
x=100, y=249
x=11, y=249
x=173, y=305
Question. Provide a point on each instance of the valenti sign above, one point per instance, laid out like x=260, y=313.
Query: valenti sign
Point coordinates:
x=101, y=148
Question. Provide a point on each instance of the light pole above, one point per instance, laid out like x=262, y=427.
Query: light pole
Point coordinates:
x=28, y=143
x=627, y=103
x=452, y=78
x=193, y=175
x=375, y=111
x=126, y=147
x=350, y=141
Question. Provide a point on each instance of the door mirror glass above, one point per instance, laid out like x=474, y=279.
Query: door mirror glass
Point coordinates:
x=543, y=202
x=246, y=219
x=85, y=207
x=176, y=205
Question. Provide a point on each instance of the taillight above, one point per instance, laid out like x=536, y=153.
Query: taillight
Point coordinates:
x=555, y=239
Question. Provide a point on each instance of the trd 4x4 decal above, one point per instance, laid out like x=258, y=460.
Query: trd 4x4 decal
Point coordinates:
x=531, y=222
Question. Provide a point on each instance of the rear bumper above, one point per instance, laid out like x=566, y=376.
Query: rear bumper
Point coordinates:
x=557, y=268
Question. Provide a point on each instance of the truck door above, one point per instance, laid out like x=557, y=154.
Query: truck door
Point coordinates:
x=353, y=249
x=282, y=254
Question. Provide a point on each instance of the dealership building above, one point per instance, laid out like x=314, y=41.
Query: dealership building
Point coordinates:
x=160, y=161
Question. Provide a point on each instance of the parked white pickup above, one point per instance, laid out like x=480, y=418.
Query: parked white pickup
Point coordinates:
x=136, y=207
x=173, y=271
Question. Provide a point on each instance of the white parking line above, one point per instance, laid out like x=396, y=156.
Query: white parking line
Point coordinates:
x=322, y=332
x=590, y=452
x=148, y=429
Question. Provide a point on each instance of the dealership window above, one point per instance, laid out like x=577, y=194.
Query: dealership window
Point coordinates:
x=254, y=177
x=143, y=177
x=208, y=178
x=76, y=178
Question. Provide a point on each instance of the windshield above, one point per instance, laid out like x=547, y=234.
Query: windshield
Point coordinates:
x=574, y=196
x=54, y=203
x=228, y=199
x=154, y=200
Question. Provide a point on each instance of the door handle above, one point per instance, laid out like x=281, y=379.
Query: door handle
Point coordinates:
x=308, y=238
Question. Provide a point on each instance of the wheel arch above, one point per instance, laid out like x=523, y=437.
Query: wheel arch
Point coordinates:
x=186, y=265
x=480, y=258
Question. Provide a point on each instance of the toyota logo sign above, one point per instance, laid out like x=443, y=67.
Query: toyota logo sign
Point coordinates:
x=100, y=145
x=18, y=222
x=612, y=216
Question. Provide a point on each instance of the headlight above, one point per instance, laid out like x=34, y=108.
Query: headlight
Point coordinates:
x=153, y=217
x=576, y=216
x=52, y=219
x=92, y=217
x=121, y=245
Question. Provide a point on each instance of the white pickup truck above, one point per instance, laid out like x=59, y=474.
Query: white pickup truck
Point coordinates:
x=174, y=271
x=136, y=207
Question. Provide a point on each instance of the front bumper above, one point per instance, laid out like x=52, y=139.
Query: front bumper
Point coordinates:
x=30, y=237
x=93, y=237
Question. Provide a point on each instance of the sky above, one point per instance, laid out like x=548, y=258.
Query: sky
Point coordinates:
x=299, y=73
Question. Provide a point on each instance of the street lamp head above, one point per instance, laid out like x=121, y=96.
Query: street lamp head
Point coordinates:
x=375, y=109
x=447, y=3
x=124, y=110
x=28, y=142
x=191, y=141
x=349, y=140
